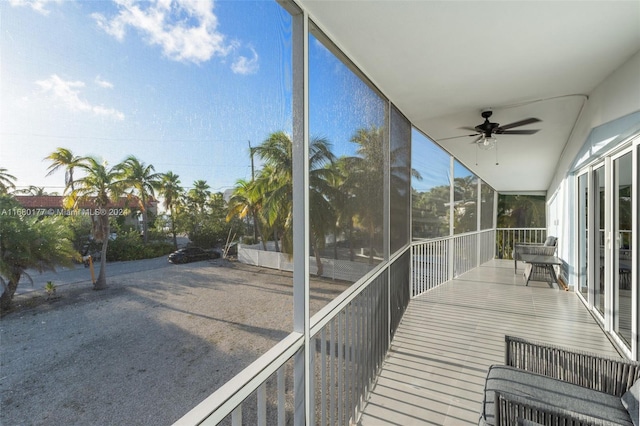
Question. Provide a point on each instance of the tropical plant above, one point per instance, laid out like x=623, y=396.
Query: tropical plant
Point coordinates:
x=30, y=243
x=99, y=186
x=7, y=181
x=430, y=217
x=171, y=191
x=521, y=211
x=141, y=180
x=245, y=201
x=50, y=288
x=465, y=206
x=64, y=158
x=276, y=184
x=35, y=191
x=366, y=173
x=198, y=195
x=343, y=199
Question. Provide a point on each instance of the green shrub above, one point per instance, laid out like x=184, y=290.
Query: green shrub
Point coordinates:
x=130, y=246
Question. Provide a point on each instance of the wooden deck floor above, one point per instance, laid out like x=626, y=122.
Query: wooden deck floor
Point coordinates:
x=434, y=373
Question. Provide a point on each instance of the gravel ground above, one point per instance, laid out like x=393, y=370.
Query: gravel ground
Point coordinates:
x=147, y=349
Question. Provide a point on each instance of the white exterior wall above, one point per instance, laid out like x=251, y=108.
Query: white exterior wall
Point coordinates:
x=617, y=96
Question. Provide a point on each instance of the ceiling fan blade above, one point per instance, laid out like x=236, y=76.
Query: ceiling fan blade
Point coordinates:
x=472, y=129
x=479, y=138
x=519, y=132
x=456, y=137
x=517, y=124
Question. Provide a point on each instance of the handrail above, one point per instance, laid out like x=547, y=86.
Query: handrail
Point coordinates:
x=439, y=260
x=326, y=313
x=351, y=334
x=356, y=303
x=507, y=237
x=223, y=401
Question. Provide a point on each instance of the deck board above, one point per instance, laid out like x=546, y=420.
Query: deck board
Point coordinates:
x=434, y=373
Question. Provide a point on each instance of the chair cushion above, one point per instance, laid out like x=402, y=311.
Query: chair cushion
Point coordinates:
x=550, y=241
x=607, y=409
x=630, y=402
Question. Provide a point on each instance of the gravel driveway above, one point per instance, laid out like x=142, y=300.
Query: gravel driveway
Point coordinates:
x=147, y=349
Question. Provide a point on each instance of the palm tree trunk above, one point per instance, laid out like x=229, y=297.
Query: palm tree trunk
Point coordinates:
x=257, y=229
x=275, y=237
x=7, y=296
x=101, y=282
x=144, y=219
x=144, y=226
x=319, y=264
x=173, y=229
x=371, y=238
x=352, y=254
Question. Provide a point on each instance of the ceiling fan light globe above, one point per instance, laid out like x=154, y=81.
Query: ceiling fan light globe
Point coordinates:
x=487, y=143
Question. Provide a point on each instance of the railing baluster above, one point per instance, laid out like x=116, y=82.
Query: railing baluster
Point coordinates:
x=262, y=405
x=340, y=368
x=236, y=416
x=332, y=387
x=323, y=378
x=361, y=353
x=312, y=380
x=348, y=362
x=282, y=409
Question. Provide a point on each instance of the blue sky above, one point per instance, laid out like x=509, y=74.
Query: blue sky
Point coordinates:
x=181, y=84
x=183, y=87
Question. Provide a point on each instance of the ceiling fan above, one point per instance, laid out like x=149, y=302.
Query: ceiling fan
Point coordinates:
x=485, y=131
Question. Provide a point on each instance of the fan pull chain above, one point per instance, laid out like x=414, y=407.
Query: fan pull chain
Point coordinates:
x=497, y=164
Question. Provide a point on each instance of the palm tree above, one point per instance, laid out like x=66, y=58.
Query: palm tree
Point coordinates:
x=29, y=243
x=199, y=194
x=277, y=184
x=247, y=200
x=170, y=189
x=274, y=195
x=36, y=191
x=344, y=203
x=7, y=181
x=100, y=186
x=366, y=171
x=141, y=180
x=63, y=157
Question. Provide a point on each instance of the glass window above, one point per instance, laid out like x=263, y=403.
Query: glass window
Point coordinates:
x=431, y=187
x=599, y=212
x=400, y=180
x=465, y=190
x=623, y=251
x=348, y=159
x=583, y=234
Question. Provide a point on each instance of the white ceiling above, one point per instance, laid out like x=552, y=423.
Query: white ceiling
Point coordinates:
x=442, y=62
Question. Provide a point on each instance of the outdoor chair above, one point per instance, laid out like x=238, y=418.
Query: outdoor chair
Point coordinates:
x=551, y=385
x=546, y=249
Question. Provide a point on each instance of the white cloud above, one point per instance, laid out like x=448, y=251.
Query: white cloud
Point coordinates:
x=244, y=65
x=185, y=30
x=68, y=93
x=37, y=5
x=103, y=83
